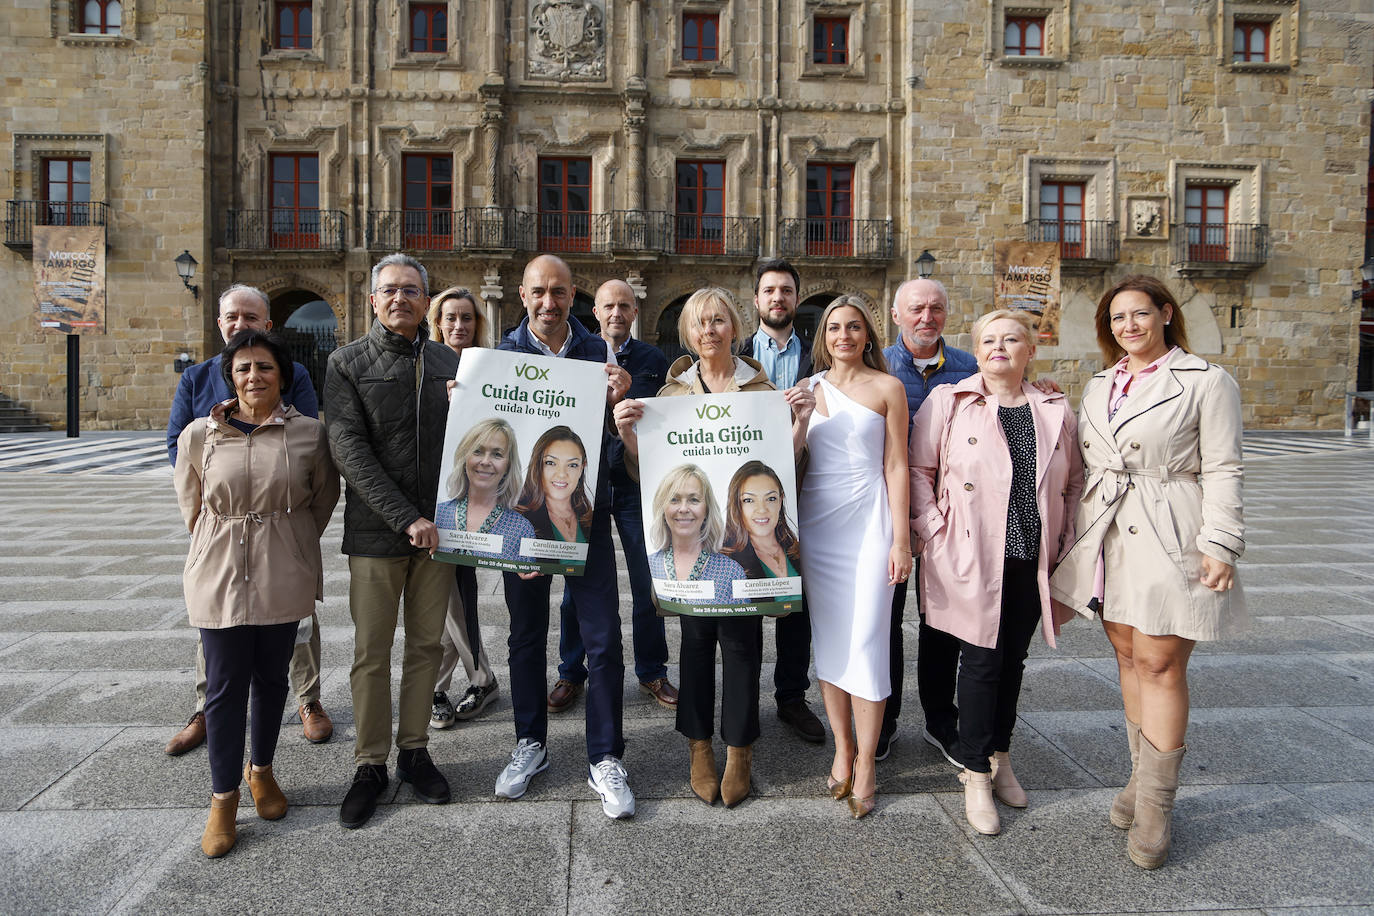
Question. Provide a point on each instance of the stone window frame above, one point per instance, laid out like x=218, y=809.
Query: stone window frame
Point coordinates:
x=864, y=153
x=63, y=16
x=603, y=147
x=274, y=57
x=1246, y=181
x=262, y=143
x=463, y=143
x=736, y=150
x=1097, y=175
x=402, y=58
x=724, y=64
x=857, y=13
x=1056, y=45
x=32, y=147
x=1283, y=17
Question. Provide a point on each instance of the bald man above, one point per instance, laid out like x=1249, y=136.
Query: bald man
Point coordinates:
x=616, y=309
x=547, y=291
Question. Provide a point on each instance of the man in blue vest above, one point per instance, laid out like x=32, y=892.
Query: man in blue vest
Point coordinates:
x=786, y=357
x=202, y=386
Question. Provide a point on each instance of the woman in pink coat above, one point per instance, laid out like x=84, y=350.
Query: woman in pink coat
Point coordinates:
x=995, y=476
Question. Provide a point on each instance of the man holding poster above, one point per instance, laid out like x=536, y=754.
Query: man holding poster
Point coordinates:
x=546, y=290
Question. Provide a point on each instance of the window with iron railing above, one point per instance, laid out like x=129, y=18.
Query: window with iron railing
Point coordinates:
x=829, y=209
x=1061, y=216
x=295, y=216
x=428, y=201
x=1206, y=216
x=700, y=217
x=565, y=195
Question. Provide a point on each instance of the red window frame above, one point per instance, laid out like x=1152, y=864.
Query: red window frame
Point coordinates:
x=429, y=28
x=295, y=214
x=830, y=40
x=700, y=206
x=294, y=25
x=66, y=196
x=427, y=199
x=101, y=24
x=829, y=209
x=565, y=203
x=1242, y=38
x=1020, y=47
x=1207, y=217
x=1058, y=220
x=700, y=36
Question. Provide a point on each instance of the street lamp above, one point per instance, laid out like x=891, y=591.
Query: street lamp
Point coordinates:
x=186, y=269
x=925, y=265
x=1367, y=269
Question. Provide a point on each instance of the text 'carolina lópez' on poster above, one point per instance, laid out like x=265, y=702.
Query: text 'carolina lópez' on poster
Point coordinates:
x=718, y=487
x=521, y=454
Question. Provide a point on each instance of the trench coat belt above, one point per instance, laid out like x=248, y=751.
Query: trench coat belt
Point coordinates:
x=243, y=541
x=1115, y=480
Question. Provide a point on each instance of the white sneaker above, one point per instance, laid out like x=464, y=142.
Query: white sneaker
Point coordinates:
x=608, y=778
x=528, y=759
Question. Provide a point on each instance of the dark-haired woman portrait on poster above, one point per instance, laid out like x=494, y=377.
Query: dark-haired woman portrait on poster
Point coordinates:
x=1160, y=529
x=758, y=535
x=554, y=497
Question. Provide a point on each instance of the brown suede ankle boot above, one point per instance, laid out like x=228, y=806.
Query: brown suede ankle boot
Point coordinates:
x=221, y=830
x=705, y=783
x=267, y=795
x=734, y=785
x=1156, y=785
x=1123, y=806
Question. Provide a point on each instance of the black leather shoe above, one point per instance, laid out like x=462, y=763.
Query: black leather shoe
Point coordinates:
x=797, y=716
x=361, y=801
x=415, y=767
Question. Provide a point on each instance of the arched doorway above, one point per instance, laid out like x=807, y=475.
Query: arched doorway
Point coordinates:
x=666, y=329
x=582, y=311
x=308, y=327
x=809, y=314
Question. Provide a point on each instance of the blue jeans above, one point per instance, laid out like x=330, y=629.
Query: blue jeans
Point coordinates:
x=650, y=638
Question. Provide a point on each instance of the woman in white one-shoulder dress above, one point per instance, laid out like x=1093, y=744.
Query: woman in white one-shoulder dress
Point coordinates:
x=853, y=555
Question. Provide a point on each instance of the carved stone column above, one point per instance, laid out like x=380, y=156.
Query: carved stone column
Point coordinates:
x=634, y=134
x=635, y=280
x=493, y=119
x=491, y=293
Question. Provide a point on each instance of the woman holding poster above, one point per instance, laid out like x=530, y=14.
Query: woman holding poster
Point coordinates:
x=482, y=487
x=554, y=498
x=757, y=534
x=710, y=326
x=854, y=490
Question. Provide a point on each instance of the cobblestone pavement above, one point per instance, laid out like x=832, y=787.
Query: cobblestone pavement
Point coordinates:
x=1277, y=812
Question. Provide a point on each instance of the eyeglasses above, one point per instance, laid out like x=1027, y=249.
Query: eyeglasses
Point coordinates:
x=407, y=292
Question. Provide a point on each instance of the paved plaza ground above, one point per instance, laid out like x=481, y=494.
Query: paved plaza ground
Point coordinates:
x=96, y=672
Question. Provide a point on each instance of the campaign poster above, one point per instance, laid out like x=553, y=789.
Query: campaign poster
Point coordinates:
x=521, y=453
x=69, y=278
x=1027, y=278
x=719, y=493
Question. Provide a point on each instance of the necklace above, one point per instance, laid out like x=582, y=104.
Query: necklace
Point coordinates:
x=695, y=572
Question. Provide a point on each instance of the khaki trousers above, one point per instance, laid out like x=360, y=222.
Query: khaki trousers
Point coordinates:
x=305, y=668
x=376, y=586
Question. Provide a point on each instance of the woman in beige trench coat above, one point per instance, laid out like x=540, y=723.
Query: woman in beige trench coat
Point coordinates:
x=1159, y=532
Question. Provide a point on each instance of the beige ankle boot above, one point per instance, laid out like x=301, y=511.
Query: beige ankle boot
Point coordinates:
x=221, y=830
x=1156, y=785
x=978, y=806
x=734, y=785
x=1123, y=806
x=1004, y=784
x=267, y=795
x=704, y=781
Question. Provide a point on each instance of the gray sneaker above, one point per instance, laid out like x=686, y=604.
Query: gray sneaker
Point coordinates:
x=442, y=715
x=528, y=759
x=610, y=781
x=474, y=701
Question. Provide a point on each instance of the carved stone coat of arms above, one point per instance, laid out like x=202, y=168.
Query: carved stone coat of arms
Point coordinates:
x=567, y=40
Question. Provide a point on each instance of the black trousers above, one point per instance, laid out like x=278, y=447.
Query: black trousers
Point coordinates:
x=896, y=652
x=237, y=659
x=990, y=679
x=792, y=635
x=937, y=667
x=741, y=650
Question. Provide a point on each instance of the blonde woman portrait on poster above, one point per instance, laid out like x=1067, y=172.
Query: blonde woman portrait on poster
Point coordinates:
x=482, y=489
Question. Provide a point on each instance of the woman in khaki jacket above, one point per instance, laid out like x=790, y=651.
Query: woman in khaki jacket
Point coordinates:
x=710, y=326
x=256, y=487
x=1159, y=532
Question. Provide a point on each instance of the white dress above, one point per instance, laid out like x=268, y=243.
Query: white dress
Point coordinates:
x=846, y=535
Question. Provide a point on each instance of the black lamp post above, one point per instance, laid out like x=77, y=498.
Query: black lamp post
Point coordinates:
x=925, y=265
x=186, y=269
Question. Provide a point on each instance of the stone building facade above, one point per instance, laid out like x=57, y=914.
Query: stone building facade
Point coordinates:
x=1221, y=145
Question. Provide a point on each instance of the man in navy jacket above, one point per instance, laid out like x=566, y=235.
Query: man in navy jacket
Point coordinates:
x=202, y=386
x=546, y=290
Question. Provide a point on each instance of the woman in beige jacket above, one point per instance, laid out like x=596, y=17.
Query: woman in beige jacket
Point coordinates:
x=256, y=487
x=1159, y=532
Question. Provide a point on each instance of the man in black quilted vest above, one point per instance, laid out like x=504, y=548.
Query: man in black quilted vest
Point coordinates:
x=386, y=402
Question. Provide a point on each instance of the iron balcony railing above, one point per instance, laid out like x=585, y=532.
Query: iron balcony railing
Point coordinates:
x=415, y=230
x=283, y=228
x=837, y=237
x=497, y=228
x=1220, y=244
x=22, y=215
x=1081, y=240
x=632, y=230
x=729, y=236
x=565, y=230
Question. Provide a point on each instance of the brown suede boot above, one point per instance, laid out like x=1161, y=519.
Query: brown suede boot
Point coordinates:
x=705, y=783
x=1156, y=785
x=1123, y=806
x=267, y=796
x=734, y=785
x=221, y=830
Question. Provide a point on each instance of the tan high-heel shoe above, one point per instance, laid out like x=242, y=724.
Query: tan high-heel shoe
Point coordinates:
x=267, y=795
x=840, y=788
x=221, y=829
x=862, y=807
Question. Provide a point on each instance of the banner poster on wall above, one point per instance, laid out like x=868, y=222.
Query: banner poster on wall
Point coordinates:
x=521, y=453
x=69, y=278
x=1027, y=278
x=719, y=495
